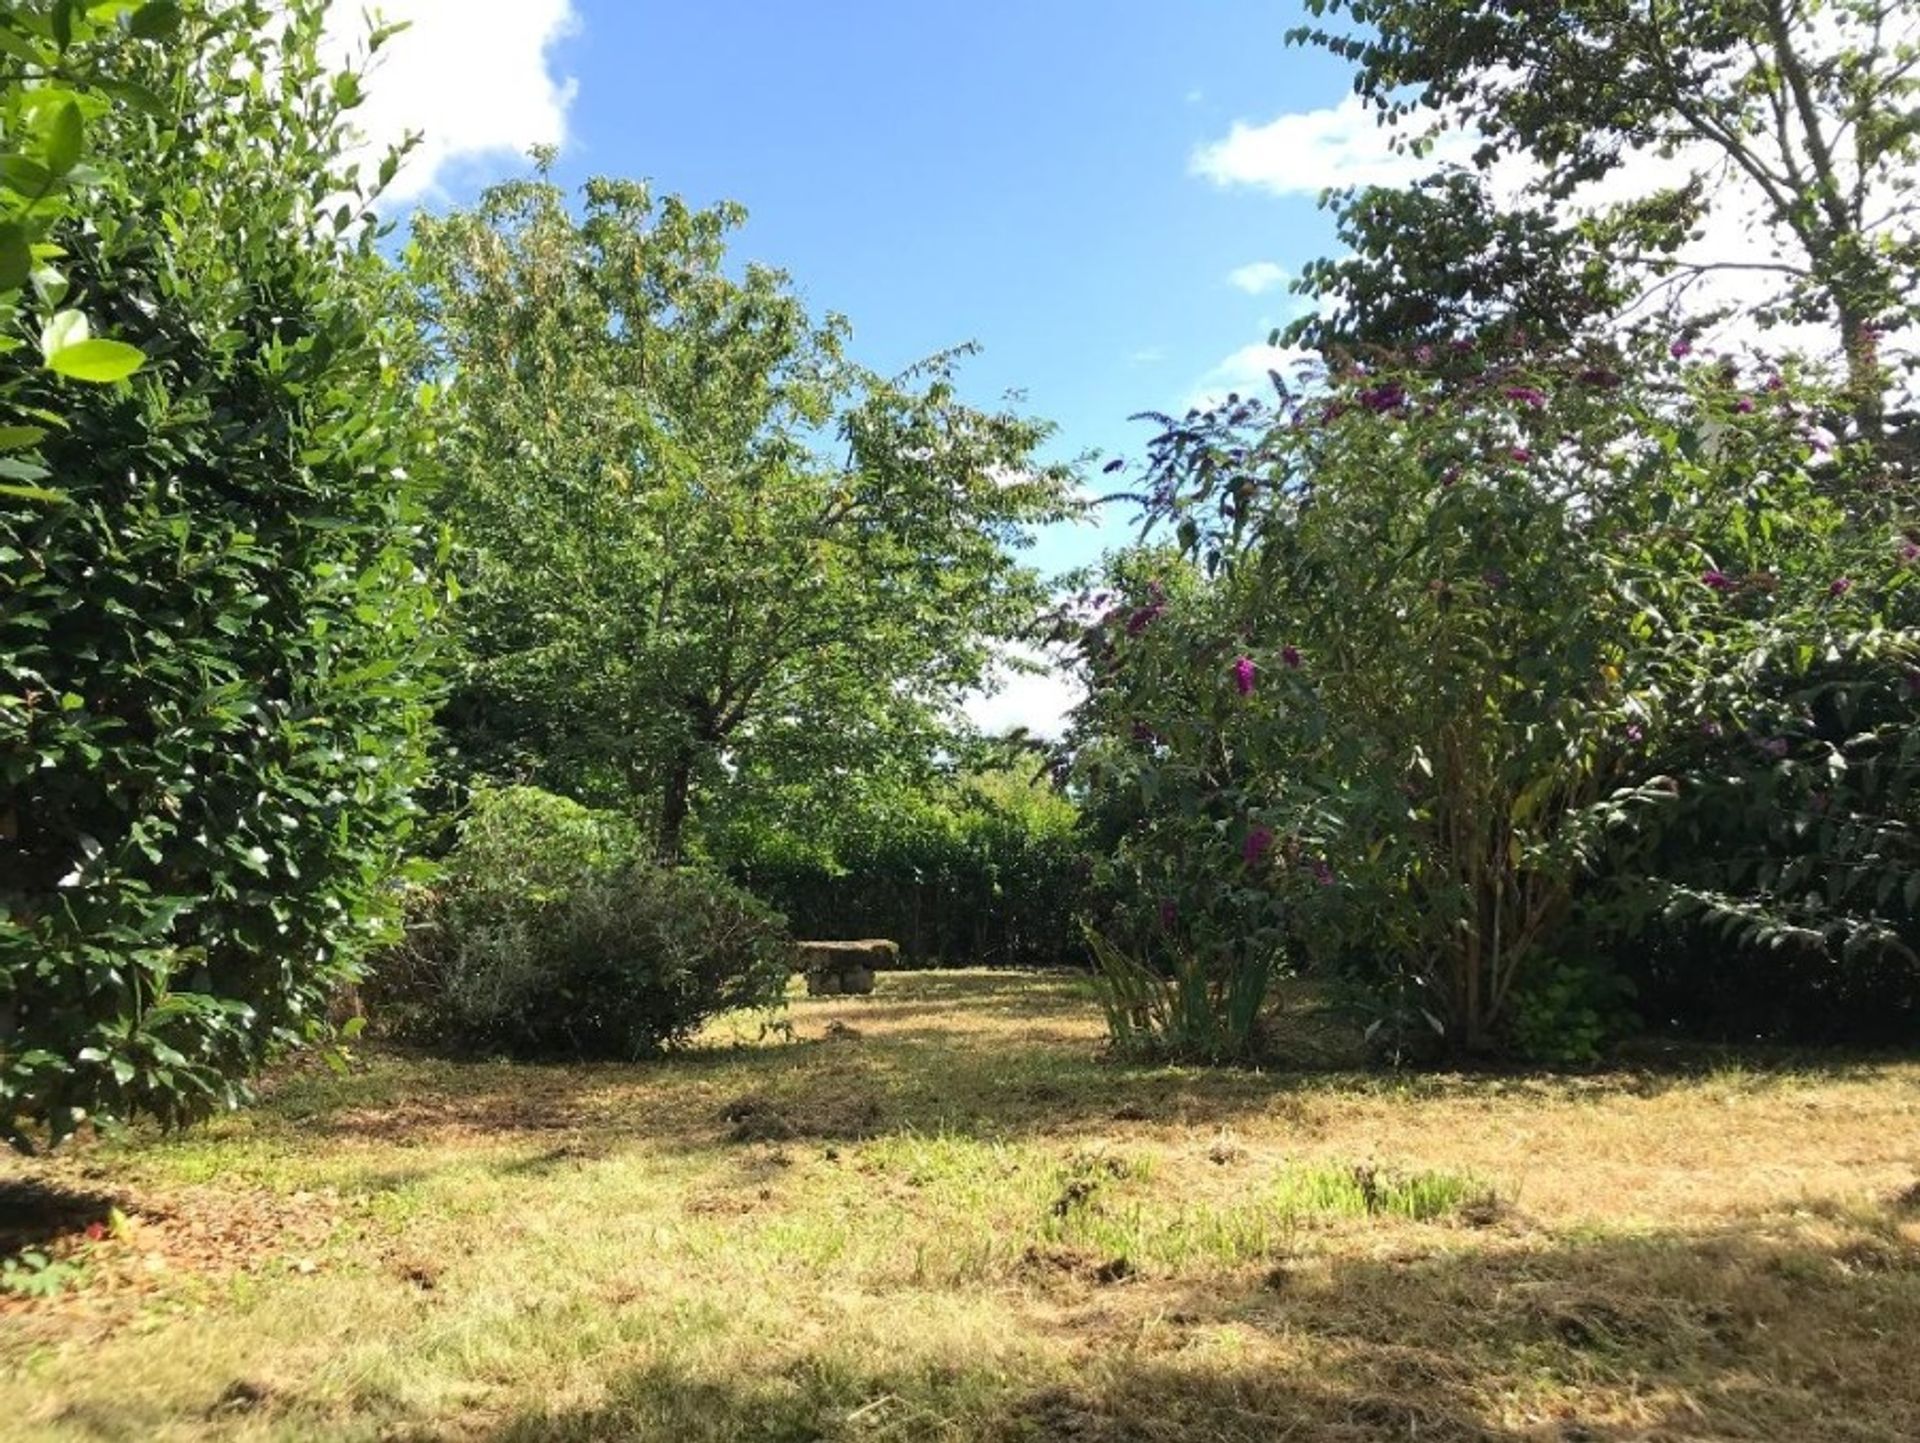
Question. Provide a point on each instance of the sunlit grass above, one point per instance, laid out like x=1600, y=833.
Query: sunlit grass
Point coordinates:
x=946, y=1216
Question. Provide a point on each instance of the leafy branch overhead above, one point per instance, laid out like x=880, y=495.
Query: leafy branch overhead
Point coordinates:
x=1804, y=116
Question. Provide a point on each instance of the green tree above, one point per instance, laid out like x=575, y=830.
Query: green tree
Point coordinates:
x=705, y=547
x=214, y=657
x=1812, y=106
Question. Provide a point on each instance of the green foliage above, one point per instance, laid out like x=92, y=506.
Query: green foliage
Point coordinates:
x=1813, y=110
x=60, y=79
x=1440, y=259
x=1569, y=1012
x=34, y=1273
x=982, y=870
x=707, y=552
x=1458, y=645
x=553, y=941
x=214, y=645
x=1188, y=1010
x=521, y=848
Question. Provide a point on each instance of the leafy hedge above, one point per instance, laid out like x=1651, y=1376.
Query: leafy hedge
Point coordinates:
x=987, y=874
x=214, y=635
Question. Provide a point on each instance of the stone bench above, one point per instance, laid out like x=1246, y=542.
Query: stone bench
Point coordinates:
x=835, y=969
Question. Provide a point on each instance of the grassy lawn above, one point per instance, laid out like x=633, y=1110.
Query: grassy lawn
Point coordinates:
x=936, y=1214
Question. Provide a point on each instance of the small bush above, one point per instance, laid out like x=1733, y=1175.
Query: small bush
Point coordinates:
x=1570, y=1012
x=549, y=937
x=622, y=966
x=521, y=848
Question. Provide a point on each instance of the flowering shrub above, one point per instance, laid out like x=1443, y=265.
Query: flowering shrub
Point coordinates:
x=1451, y=658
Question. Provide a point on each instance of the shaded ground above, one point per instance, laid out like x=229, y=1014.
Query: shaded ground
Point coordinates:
x=937, y=1214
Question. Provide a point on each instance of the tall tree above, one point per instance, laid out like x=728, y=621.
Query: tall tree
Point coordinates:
x=700, y=535
x=1811, y=108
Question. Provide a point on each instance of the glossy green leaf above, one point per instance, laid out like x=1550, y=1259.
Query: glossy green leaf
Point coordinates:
x=97, y=360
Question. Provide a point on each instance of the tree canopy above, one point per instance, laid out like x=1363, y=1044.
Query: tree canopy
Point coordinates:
x=704, y=547
x=1803, y=114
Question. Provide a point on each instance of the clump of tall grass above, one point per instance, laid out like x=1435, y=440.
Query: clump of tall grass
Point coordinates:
x=1188, y=1011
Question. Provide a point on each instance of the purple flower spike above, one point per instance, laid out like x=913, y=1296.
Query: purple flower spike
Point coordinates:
x=1243, y=674
x=1323, y=873
x=1744, y=405
x=1910, y=550
x=1521, y=453
x=1527, y=395
x=1841, y=586
x=1680, y=349
x=1258, y=843
x=1717, y=579
x=1291, y=656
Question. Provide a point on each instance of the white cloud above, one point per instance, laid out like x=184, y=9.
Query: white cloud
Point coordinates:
x=1309, y=151
x=1244, y=373
x=1038, y=702
x=1147, y=356
x=1259, y=277
x=474, y=76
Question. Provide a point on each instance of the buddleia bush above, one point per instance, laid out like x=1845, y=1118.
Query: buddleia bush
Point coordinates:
x=1475, y=661
x=215, y=629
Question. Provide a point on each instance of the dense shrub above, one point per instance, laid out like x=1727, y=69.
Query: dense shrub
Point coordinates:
x=548, y=937
x=214, y=662
x=624, y=964
x=986, y=872
x=1465, y=667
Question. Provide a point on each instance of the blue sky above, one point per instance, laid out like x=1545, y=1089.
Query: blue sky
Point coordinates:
x=1017, y=174
x=1105, y=195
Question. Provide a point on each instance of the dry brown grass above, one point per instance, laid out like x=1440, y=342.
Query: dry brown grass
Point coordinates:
x=937, y=1214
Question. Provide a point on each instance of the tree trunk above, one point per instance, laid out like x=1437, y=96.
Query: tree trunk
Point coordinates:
x=1866, y=381
x=675, y=803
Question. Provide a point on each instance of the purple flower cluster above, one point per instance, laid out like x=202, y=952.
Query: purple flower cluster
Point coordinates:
x=1253, y=851
x=1387, y=396
x=1527, y=395
x=1717, y=579
x=1144, y=618
x=1244, y=672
